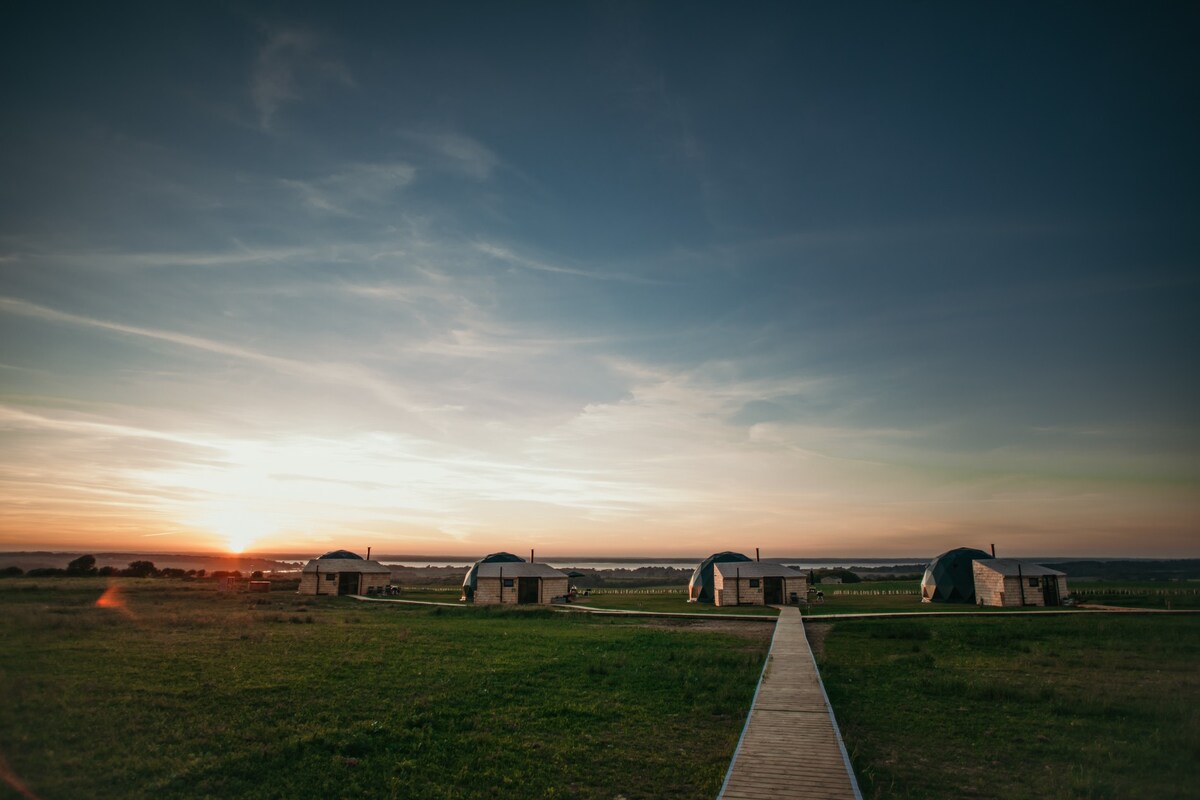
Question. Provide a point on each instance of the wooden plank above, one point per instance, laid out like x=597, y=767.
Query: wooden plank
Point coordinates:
x=790, y=747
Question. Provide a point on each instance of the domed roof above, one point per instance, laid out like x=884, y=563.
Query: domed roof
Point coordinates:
x=700, y=587
x=341, y=554
x=472, y=576
x=950, y=578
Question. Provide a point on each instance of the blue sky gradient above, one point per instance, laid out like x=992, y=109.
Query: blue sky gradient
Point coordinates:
x=610, y=278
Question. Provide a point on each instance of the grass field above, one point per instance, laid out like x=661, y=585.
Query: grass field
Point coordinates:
x=1064, y=707
x=176, y=690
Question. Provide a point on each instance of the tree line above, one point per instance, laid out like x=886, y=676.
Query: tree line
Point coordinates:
x=85, y=567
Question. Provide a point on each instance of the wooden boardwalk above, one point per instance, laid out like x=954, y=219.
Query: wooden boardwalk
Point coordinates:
x=791, y=747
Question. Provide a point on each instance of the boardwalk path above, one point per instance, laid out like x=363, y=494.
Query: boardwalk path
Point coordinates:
x=791, y=746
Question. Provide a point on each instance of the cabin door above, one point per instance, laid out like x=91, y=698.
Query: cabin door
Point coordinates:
x=527, y=590
x=773, y=591
x=348, y=583
x=1050, y=590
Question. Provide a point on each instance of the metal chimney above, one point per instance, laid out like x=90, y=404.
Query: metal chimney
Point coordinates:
x=756, y=554
x=993, y=551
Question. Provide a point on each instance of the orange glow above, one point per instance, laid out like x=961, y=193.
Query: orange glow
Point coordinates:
x=13, y=780
x=114, y=599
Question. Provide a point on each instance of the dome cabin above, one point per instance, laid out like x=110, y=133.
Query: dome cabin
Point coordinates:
x=1011, y=582
x=950, y=577
x=757, y=583
x=700, y=587
x=343, y=572
x=502, y=578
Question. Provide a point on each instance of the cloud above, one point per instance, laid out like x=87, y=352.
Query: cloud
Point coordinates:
x=508, y=256
x=288, y=65
x=353, y=187
x=458, y=152
x=336, y=374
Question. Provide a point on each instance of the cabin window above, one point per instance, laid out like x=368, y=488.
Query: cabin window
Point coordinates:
x=329, y=576
x=1033, y=582
x=754, y=583
x=508, y=583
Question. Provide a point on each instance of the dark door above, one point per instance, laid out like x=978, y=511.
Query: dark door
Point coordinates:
x=1050, y=590
x=773, y=591
x=347, y=583
x=527, y=590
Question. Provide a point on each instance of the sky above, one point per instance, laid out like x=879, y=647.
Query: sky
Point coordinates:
x=872, y=279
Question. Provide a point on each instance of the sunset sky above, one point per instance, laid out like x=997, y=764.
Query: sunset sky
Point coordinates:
x=615, y=278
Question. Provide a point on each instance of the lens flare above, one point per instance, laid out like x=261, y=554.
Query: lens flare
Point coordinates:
x=113, y=598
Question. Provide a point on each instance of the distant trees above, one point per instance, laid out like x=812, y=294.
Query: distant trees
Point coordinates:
x=140, y=569
x=84, y=565
x=11, y=572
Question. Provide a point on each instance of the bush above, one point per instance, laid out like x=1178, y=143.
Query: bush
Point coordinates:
x=11, y=572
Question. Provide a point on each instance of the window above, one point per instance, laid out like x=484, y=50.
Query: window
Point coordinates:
x=329, y=576
x=754, y=583
x=1033, y=582
x=508, y=583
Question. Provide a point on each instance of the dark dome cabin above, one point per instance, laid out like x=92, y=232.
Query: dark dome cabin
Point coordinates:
x=700, y=587
x=511, y=580
x=343, y=572
x=950, y=577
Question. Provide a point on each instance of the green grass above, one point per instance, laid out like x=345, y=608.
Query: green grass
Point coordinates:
x=194, y=693
x=1139, y=594
x=1064, y=707
x=675, y=602
x=626, y=600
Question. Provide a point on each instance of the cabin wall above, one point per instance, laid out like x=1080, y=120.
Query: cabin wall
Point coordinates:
x=726, y=591
x=487, y=590
x=994, y=589
x=309, y=582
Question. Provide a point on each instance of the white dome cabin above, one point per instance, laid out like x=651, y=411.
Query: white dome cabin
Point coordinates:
x=343, y=572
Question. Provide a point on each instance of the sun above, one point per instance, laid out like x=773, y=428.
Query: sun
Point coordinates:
x=239, y=529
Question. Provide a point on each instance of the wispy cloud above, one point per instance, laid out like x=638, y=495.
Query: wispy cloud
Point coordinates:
x=343, y=373
x=508, y=256
x=344, y=192
x=288, y=63
x=457, y=152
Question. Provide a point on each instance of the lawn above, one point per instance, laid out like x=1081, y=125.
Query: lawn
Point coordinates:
x=1085, y=706
x=183, y=691
x=623, y=599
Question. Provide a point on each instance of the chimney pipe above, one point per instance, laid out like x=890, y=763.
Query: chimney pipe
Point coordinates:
x=993, y=551
x=531, y=555
x=756, y=554
x=368, y=552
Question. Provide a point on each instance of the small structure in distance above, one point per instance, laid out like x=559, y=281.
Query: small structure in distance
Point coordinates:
x=700, y=587
x=343, y=572
x=949, y=578
x=503, y=578
x=757, y=583
x=729, y=578
x=1014, y=582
